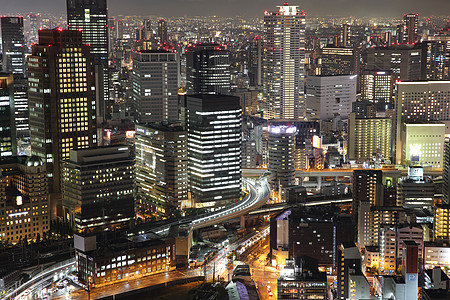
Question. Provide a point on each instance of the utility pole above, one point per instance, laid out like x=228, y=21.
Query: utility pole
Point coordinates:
x=214, y=272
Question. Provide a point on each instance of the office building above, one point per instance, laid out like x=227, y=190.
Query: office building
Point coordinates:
x=405, y=61
x=162, y=31
x=422, y=144
x=423, y=101
x=281, y=153
x=249, y=100
x=369, y=138
x=340, y=61
x=378, y=87
x=97, y=188
x=284, y=63
x=24, y=202
x=13, y=45
x=155, y=86
x=436, y=57
x=91, y=17
x=208, y=69
x=410, y=26
x=330, y=96
x=436, y=254
x=364, y=109
x=105, y=260
x=161, y=169
x=61, y=100
x=416, y=191
x=214, y=125
x=442, y=222
x=8, y=142
x=301, y=279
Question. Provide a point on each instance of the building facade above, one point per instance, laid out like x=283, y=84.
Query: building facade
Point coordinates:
x=284, y=63
x=8, y=142
x=214, y=126
x=91, y=17
x=61, y=100
x=97, y=188
x=155, y=86
x=161, y=168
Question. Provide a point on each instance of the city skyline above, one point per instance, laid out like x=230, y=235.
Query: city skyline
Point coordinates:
x=248, y=8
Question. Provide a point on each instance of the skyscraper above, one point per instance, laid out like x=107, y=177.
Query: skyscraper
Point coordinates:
x=378, y=87
x=97, y=187
x=13, y=45
x=208, y=69
x=161, y=168
x=155, y=86
x=91, y=17
x=8, y=144
x=410, y=25
x=62, y=99
x=162, y=31
x=214, y=125
x=284, y=63
x=340, y=61
x=436, y=57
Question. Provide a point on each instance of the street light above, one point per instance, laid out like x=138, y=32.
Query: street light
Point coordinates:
x=89, y=287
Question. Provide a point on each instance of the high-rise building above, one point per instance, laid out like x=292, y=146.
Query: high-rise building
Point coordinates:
x=446, y=175
x=442, y=222
x=410, y=26
x=436, y=57
x=378, y=87
x=91, y=17
x=364, y=109
x=13, y=45
x=214, y=125
x=97, y=188
x=330, y=96
x=340, y=61
x=162, y=31
x=61, y=99
x=345, y=35
x=367, y=187
x=284, y=63
x=369, y=138
x=255, y=61
x=155, y=86
x=161, y=168
x=282, y=153
x=8, y=143
x=24, y=199
x=208, y=69
x=405, y=61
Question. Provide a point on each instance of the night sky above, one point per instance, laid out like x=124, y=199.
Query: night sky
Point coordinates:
x=167, y=8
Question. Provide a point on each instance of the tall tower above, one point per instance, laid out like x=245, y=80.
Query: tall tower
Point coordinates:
x=214, y=126
x=91, y=17
x=410, y=24
x=162, y=31
x=208, y=69
x=8, y=146
x=155, y=86
x=62, y=99
x=284, y=63
x=14, y=62
x=13, y=45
